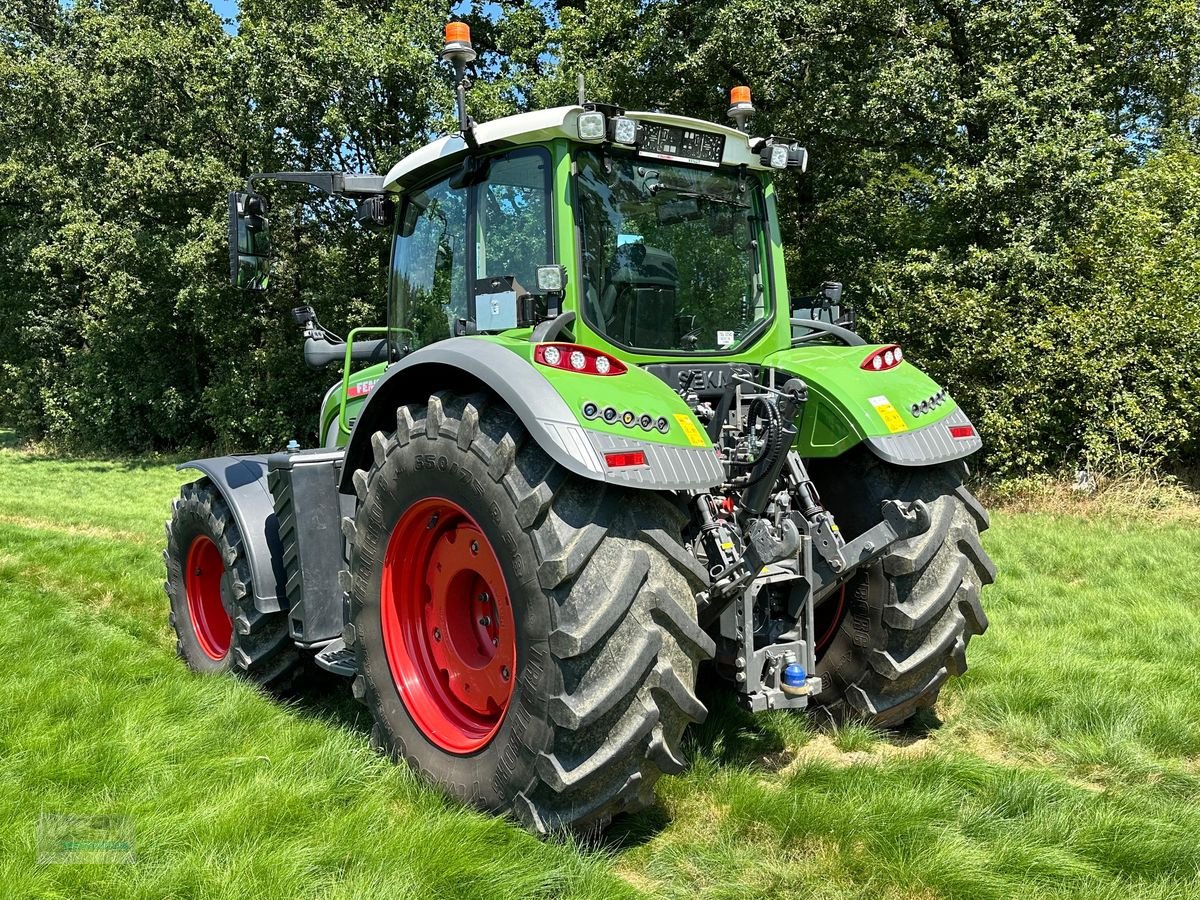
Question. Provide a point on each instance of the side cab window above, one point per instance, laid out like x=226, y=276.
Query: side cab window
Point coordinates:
x=429, y=264
x=508, y=214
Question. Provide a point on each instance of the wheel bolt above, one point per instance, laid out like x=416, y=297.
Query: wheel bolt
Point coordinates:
x=484, y=598
x=485, y=621
x=437, y=634
x=432, y=521
x=474, y=546
x=504, y=673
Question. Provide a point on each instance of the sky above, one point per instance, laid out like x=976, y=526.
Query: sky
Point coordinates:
x=226, y=9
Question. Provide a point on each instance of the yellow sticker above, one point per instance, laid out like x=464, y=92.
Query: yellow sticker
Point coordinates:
x=887, y=412
x=695, y=438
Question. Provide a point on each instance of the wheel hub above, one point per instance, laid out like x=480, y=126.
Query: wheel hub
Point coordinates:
x=447, y=625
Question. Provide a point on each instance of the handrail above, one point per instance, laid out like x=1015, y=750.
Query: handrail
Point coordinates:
x=366, y=329
x=845, y=334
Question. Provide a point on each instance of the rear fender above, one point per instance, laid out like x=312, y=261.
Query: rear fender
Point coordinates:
x=551, y=411
x=902, y=414
x=242, y=483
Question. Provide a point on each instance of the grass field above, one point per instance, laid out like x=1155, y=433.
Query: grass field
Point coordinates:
x=1065, y=764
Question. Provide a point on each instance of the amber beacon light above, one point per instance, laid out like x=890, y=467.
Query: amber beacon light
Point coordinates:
x=740, y=106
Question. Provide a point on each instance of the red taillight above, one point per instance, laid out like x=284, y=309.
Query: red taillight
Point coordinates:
x=628, y=458
x=884, y=358
x=962, y=431
x=576, y=358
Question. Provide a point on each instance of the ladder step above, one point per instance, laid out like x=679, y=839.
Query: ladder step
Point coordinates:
x=335, y=657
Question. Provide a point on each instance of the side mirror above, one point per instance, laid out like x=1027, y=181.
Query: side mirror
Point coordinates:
x=249, y=242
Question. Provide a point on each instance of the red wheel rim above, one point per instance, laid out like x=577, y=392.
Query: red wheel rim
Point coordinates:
x=202, y=583
x=448, y=628
x=834, y=621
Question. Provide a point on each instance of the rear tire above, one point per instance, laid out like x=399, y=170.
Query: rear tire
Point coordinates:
x=599, y=616
x=908, y=618
x=218, y=629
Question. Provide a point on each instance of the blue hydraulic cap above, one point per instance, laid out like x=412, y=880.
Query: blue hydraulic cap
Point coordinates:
x=794, y=675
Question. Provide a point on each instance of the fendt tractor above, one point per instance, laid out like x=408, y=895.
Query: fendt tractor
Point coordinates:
x=596, y=446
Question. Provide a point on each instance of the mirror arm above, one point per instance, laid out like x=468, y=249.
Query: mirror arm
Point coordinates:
x=336, y=184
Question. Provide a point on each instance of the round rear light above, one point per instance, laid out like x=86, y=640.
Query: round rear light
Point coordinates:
x=877, y=363
x=552, y=355
x=899, y=354
x=578, y=360
x=889, y=359
x=602, y=364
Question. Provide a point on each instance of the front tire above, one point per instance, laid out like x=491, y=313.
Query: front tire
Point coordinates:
x=903, y=625
x=218, y=629
x=563, y=696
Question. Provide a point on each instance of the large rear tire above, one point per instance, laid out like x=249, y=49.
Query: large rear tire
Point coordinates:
x=217, y=626
x=902, y=627
x=526, y=639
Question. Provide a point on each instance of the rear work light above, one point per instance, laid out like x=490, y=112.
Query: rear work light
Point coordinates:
x=576, y=358
x=884, y=358
x=625, y=459
x=962, y=431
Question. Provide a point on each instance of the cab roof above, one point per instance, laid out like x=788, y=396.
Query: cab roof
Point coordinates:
x=548, y=124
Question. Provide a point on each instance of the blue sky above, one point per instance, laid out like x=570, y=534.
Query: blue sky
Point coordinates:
x=226, y=9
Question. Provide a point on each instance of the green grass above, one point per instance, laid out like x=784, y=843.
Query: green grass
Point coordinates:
x=1065, y=764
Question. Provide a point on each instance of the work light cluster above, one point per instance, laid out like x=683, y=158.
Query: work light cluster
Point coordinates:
x=628, y=418
x=933, y=402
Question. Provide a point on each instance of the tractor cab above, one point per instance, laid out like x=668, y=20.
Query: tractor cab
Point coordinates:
x=656, y=231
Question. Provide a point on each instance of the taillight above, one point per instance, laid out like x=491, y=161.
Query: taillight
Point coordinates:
x=962, y=431
x=576, y=358
x=884, y=358
x=627, y=458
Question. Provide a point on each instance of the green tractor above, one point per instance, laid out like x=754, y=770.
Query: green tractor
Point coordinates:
x=596, y=446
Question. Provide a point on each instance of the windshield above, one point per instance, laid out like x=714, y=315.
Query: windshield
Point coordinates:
x=672, y=255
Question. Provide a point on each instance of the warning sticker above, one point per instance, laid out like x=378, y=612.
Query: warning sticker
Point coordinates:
x=695, y=438
x=891, y=418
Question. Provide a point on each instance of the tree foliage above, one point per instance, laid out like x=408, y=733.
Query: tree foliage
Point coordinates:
x=1010, y=188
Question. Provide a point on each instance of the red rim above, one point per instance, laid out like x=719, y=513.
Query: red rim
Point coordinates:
x=212, y=624
x=448, y=628
x=834, y=621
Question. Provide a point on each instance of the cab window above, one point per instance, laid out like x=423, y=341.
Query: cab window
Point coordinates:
x=508, y=214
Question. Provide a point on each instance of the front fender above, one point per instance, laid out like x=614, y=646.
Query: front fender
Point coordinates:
x=849, y=405
x=549, y=403
x=242, y=482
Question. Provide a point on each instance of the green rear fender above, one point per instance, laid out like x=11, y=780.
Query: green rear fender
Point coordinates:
x=653, y=442
x=361, y=385
x=904, y=415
